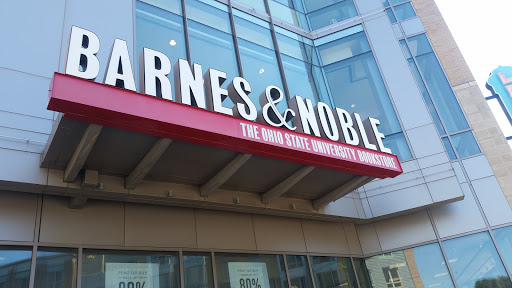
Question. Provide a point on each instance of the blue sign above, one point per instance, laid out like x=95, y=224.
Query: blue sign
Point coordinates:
x=500, y=85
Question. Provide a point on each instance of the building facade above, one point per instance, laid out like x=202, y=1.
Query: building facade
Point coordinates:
x=112, y=203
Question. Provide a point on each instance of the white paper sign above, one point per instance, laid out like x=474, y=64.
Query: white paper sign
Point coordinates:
x=248, y=275
x=131, y=275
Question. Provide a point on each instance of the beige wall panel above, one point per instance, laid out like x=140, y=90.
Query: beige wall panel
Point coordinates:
x=352, y=239
x=325, y=237
x=368, y=238
x=224, y=230
x=278, y=234
x=159, y=226
x=98, y=223
x=17, y=216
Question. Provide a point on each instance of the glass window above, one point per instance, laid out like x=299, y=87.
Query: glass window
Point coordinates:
x=391, y=16
x=288, y=13
x=503, y=238
x=303, y=77
x=332, y=272
x=438, y=85
x=259, y=60
x=465, y=144
x=344, y=48
x=395, y=2
x=197, y=270
x=15, y=266
x=449, y=148
x=422, y=266
x=475, y=262
x=362, y=273
x=211, y=42
x=160, y=30
x=298, y=269
x=398, y=145
x=56, y=268
x=332, y=14
x=385, y=3
x=404, y=11
x=173, y=6
x=250, y=270
x=127, y=269
x=256, y=4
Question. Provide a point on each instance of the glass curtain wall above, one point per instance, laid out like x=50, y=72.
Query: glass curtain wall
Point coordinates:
x=312, y=14
x=356, y=85
x=56, y=268
x=398, y=10
x=439, y=97
x=330, y=272
x=15, y=266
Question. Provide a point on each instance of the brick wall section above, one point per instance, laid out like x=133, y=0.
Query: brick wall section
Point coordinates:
x=479, y=115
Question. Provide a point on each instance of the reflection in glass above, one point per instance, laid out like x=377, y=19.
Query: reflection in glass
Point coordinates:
x=332, y=14
x=256, y=4
x=332, y=272
x=391, y=16
x=15, y=266
x=398, y=145
x=449, y=148
x=362, y=273
x=159, y=30
x=101, y=266
x=289, y=13
x=211, y=42
x=430, y=265
x=197, y=270
x=475, y=262
x=465, y=144
x=298, y=269
x=273, y=264
x=438, y=85
x=404, y=11
x=56, y=268
x=503, y=238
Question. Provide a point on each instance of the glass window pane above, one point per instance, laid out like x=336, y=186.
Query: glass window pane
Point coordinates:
x=385, y=3
x=503, y=238
x=394, y=2
x=405, y=49
x=362, y=273
x=333, y=272
x=465, y=144
x=391, y=16
x=232, y=271
x=419, y=45
x=288, y=14
x=422, y=266
x=449, y=149
x=298, y=269
x=475, y=262
x=252, y=29
x=256, y=4
x=344, y=48
x=173, y=6
x=109, y=268
x=313, y=5
x=332, y=14
x=197, y=270
x=357, y=86
x=398, y=146
x=56, y=268
x=426, y=97
x=404, y=11
x=15, y=266
x=442, y=93
x=159, y=30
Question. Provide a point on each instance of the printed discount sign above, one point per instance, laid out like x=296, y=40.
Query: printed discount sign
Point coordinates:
x=248, y=275
x=131, y=275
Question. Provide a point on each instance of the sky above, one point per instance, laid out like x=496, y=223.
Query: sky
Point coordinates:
x=483, y=31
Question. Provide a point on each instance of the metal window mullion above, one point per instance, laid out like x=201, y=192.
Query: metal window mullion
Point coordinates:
x=214, y=270
x=181, y=268
x=445, y=257
x=286, y=270
x=235, y=40
x=278, y=55
x=355, y=272
x=37, y=229
x=185, y=29
x=79, y=267
x=308, y=259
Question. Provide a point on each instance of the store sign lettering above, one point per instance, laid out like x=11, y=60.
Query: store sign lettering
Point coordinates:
x=205, y=91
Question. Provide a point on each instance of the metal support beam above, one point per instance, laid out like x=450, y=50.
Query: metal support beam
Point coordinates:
x=224, y=174
x=82, y=152
x=147, y=163
x=341, y=191
x=284, y=186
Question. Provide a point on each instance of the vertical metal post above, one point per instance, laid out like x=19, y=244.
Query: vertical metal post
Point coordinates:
x=214, y=270
x=185, y=29
x=182, y=272
x=235, y=40
x=286, y=270
x=79, y=267
x=355, y=272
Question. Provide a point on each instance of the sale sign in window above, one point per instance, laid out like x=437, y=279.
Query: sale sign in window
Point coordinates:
x=248, y=275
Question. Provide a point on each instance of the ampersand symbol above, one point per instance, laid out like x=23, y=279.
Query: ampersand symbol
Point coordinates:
x=273, y=96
